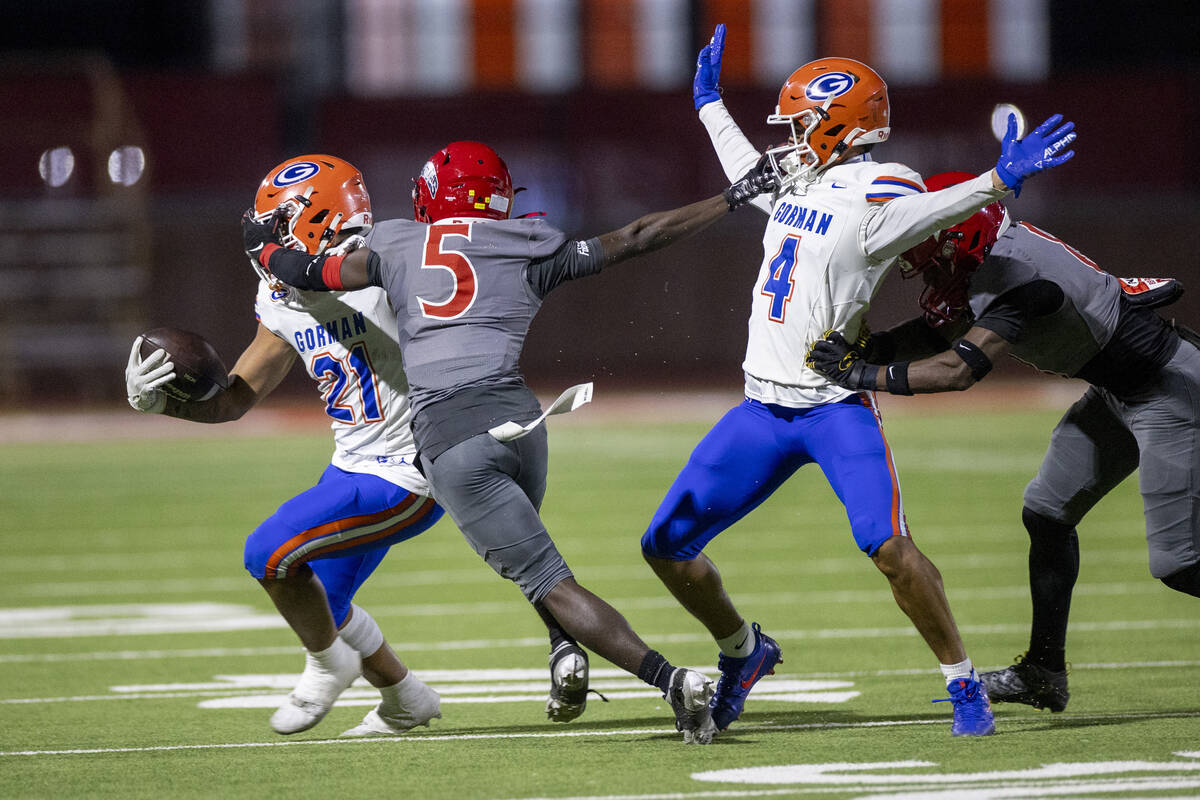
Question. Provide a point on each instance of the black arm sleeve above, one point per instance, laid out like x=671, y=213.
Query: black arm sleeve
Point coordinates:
x=1009, y=313
x=576, y=258
x=374, y=269
x=297, y=269
x=910, y=341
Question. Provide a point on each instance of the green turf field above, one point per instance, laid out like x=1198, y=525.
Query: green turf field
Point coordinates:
x=137, y=659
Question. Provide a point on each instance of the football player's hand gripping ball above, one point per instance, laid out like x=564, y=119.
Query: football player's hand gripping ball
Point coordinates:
x=257, y=235
x=708, y=70
x=1038, y=151
x=833, y=358
x=759, y=179
x=144, y=376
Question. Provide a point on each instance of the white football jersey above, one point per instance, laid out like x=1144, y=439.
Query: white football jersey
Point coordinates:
x=827, y=246
x=347, y=343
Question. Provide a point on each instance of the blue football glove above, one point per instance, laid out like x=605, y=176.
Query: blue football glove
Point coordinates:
x=708, y=70
x=1038, y=151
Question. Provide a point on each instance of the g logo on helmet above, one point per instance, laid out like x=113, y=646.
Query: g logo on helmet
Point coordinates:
x=295, y=173
x=831, y=84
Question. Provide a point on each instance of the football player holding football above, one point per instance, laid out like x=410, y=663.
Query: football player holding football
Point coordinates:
x=318, y=548
x=994, y=287
x=465, y=280
x=834, y=229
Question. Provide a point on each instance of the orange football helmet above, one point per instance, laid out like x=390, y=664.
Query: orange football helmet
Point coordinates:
x=831, y=104
x=322, y=196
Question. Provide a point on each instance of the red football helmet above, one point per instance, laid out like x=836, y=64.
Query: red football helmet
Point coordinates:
x=948, y=258
x=323, y=196
x=830, y=104
x=463, y=179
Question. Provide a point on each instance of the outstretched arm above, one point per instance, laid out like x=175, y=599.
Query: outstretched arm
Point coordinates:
x=324, y=273
x=892, y=227
x=967, y=361
x=662, y=228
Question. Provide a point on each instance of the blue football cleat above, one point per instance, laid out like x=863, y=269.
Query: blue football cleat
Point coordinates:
x=738, y=676
x=972, y=709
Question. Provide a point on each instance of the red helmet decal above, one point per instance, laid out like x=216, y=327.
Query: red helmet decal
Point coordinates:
x=463, y=179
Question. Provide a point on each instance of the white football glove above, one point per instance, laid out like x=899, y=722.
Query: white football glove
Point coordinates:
x=143, y=377
x=352, y=243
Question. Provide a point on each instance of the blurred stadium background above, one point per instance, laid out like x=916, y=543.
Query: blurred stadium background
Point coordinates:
x=134, y=132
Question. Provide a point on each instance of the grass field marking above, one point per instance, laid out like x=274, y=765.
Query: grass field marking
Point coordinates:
x=752, y=569
x=148, y=655
x=851, y=772
x=455, y=686
x=84, y=620
x=916, y=793
x=222, y=689
x=1015, y=722
x=459, y=737
x=902, y=631
x=125, y=619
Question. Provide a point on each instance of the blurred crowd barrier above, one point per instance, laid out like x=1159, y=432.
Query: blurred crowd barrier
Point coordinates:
x=122, y=193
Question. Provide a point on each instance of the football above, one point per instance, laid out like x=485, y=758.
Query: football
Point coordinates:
x=199, y=371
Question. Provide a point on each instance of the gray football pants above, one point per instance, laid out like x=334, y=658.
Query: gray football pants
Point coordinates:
x=1102, y=439
x=493, y=490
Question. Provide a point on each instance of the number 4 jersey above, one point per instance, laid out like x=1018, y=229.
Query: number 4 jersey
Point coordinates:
x=347, y=342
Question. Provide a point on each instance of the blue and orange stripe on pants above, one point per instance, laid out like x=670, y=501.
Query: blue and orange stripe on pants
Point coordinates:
x=345, y=536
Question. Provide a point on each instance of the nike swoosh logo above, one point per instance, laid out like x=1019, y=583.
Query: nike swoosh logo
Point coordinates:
x=738, y=646
x=746, y=684
x=836, y=185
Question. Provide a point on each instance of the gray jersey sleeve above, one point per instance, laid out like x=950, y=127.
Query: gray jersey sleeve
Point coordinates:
x=574, y=258
x=1008, y=315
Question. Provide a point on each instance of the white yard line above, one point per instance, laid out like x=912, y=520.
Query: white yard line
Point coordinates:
x=450, y=682
x=479, y=575
x=540, y=641
x=577, y=734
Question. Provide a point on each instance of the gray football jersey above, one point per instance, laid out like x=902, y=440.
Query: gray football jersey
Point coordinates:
x=463, y=303
x=1065, y=340
x=464, y=292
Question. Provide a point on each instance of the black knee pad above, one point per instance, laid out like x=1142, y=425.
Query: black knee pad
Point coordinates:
x=1042, y=527
x=1186, y=580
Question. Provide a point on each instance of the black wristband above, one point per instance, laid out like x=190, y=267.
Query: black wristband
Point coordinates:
x=868, y=379
x=897, y=378
x=975, y=359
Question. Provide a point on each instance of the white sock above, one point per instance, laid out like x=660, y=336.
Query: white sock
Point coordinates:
x=327, y=658
x=740, y=644
x=403, y=694
x=362, y=632
x=963, y=669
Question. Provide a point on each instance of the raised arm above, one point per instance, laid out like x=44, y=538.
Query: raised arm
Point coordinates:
x=734, y=150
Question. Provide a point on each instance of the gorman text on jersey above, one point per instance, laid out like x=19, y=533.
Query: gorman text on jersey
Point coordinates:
x=802, y=218
x=333, y=331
